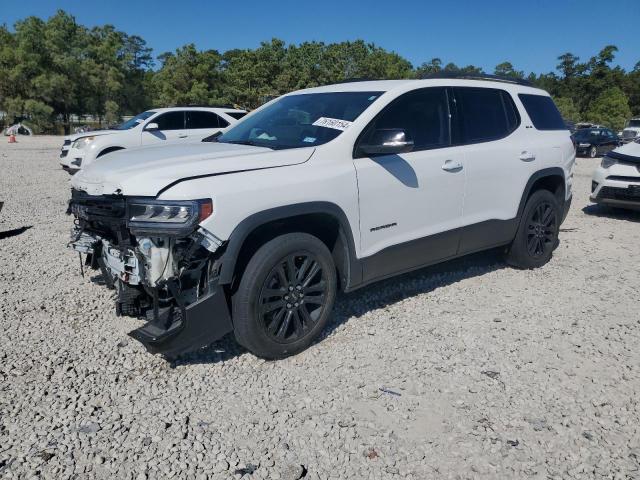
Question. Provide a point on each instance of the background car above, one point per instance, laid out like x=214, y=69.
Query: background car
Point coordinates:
x=594, y=142
x=153, y=127
x=616, y=182
x=631, y=131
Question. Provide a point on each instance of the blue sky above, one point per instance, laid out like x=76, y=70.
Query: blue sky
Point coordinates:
x=530, y=34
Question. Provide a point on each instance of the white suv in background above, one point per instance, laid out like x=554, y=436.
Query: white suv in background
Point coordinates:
x=154, y=127
x=631, y=130
x=616, y=182
x=322, y=189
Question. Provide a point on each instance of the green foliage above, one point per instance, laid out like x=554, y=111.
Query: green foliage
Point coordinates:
x=39, y=114
x=567, y=108
x=505, y=69
x=54, y=68
x=610, y=108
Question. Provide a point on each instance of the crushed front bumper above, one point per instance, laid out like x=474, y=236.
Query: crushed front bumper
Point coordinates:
x=170, y=283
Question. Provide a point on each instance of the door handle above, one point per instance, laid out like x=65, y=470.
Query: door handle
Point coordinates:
x=451, y=166
x=527, y=156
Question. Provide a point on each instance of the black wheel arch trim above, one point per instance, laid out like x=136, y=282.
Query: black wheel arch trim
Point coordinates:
x=351, y=273
x=540, y=174
x=113, y=148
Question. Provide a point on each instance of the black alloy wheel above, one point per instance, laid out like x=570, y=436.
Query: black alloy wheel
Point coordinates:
x=542, y=230
x=292, y=297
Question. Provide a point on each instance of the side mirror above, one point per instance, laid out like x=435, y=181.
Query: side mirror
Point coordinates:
x=387, y=141
x=151, y=126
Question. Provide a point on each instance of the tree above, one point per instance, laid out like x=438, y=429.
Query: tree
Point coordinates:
x=505, y=69
x=567, y=108
x=611, y=108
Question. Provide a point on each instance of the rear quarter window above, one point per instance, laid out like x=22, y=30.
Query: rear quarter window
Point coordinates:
x=236, y=115
x=543, y=112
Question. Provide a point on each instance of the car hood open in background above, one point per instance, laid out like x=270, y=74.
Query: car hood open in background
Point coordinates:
x=146, y=171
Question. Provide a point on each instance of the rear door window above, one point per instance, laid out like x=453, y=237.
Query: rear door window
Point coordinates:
x=197, y=119
x=484, y=114
x=170, y=121
x=543, y=112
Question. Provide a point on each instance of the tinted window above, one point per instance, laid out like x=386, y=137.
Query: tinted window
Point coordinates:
x=543, y=112
x=423, y=115
x=485, y=114
x=236, y=115
x=170, y=121
x=199, y=119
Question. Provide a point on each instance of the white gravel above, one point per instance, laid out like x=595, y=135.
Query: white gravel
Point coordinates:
x=468, y=370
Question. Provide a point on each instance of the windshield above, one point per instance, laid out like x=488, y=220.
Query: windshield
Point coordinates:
x=132, y=122
x=302, y=120
x=634, y=123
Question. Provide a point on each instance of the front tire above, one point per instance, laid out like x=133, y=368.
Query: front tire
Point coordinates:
x=537, y=234
x=593, y=152
x=285, y=297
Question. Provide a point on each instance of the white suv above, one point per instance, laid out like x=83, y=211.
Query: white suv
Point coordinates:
x=631, y=131
x=616, y=182
x=154, y=127
x=322, y=189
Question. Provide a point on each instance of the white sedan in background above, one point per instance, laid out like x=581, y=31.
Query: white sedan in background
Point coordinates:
x=616, y=182
x=153, y=127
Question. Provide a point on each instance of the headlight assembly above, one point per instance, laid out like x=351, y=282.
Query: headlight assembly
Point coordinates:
x=82, y=142
x=607, y=162
x=166, y=216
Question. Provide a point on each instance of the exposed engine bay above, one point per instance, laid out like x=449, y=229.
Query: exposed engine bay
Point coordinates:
x=164, y=274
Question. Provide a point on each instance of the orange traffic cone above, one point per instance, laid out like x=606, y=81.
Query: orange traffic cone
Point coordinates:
x=12, y=138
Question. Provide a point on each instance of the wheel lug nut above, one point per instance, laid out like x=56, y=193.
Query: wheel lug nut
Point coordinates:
x=286, y=297
x=288, y=305
x=290, y=288
x=295, y=304
x=299, y=287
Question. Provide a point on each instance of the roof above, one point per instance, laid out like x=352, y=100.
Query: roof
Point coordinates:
x=193, y=107
x=409, y=84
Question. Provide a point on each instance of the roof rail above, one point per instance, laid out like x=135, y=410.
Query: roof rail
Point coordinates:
x=353, y=80
x=227, y=105
x=476, y=76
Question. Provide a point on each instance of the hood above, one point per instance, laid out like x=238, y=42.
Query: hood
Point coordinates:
x=627, y=153
x=94, y=133
x=145, y=171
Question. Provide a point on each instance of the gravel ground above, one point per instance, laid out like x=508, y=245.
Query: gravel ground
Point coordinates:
x=468, y=370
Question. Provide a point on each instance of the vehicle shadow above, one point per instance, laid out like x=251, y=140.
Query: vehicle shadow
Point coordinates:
x=351, y=306
x=15, y=232
x=612, y=212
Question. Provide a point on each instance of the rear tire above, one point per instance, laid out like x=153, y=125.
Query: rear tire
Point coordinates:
x=285, y=297
x=537, y=234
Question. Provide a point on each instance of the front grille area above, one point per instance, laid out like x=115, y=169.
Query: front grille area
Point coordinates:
x=628, y=134
x=629, y=194
x=105, y=215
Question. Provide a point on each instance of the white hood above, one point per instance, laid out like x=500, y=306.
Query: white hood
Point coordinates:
x=94, y=133
x=631, y=149
x=146, y=171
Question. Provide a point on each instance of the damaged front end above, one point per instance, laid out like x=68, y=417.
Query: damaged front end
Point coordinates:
x=163, y=266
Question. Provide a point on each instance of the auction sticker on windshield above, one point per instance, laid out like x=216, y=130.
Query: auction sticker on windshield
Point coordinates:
x=334, y=123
